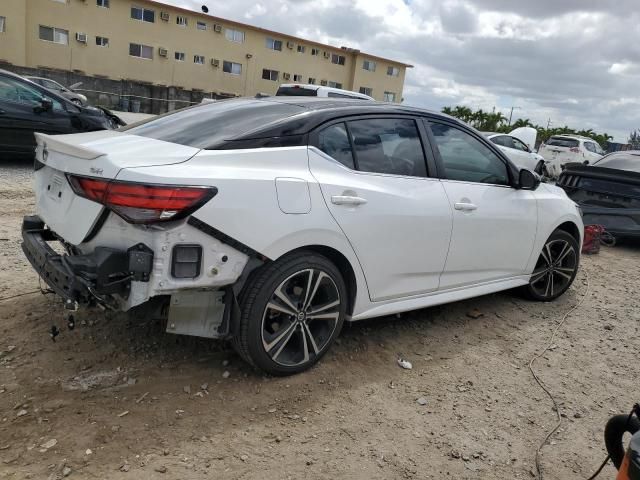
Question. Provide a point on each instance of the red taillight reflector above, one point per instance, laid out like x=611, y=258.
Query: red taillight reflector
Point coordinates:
x=141, y=203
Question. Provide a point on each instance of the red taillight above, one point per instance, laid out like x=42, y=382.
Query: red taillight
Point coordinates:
x=574, y=150
x=140, y=203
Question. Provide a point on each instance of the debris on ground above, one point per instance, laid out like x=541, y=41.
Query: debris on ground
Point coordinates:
x=404, y=363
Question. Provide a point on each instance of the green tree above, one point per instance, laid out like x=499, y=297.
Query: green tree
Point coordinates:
x=634, y=140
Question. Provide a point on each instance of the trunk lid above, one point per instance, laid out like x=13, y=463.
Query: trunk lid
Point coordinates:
x=95, y=154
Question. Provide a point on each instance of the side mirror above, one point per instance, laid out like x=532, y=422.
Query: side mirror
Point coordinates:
x=46, y=105
x=528, y=180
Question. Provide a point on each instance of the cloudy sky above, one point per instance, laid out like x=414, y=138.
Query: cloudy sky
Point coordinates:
x=576, y=62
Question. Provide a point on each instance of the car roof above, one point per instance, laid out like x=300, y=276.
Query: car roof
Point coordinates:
x=574, y=137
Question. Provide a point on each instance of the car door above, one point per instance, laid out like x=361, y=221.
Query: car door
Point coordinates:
x=494, y=224
x=21, y=115
x=374, y=178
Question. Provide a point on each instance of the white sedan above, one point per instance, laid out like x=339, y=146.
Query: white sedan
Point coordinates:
x=518, y=145
x=272, y=221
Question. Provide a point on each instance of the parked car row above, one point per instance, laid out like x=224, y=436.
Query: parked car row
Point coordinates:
x=273, y=221
x=27, y=107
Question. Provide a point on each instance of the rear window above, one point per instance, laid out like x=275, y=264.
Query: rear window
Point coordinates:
x=208, y=125
x=296, y=92
x=563, y=142
x=620, y=161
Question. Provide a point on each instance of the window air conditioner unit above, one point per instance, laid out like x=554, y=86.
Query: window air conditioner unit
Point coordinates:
x=286, y=76
x=326, y=54
x=215, y=62
x=162, y=52
x=164, y=16
x=81, y=37
x=290, y=45
x=217, y=28
x=323, y=83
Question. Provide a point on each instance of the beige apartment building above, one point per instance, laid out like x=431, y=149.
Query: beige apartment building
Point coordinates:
x=151, y=42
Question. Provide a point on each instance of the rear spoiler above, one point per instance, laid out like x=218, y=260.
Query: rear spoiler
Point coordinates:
x=50, y=142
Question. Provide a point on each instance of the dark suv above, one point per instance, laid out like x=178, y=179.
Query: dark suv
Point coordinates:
x=26, y=108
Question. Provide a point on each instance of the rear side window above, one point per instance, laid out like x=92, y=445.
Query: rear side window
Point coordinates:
x=334, y=141
x=563, y=142
x=466, y=159
x=389, y=145
x=208, y=125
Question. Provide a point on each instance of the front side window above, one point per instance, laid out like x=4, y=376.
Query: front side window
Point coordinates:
x=388, y=145
x=55, y=35
x=143, y=14
x=466, y=159
x=518, y=145
x=270, y=74
x=232, y=68
x=274, y=44
x=590, y=147
x=102, y=3
x=20, y=93
x=141, y=51
x=234, y=35
x=337, y=59
x=198, y=59
x=179, y=56
x=334, y=141
x=102, y=41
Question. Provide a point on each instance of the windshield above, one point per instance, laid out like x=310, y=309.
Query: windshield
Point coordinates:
x=207, y=125
x=620, y=161
x=563, y=142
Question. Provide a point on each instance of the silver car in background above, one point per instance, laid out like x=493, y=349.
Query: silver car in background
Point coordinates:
x=60, y=89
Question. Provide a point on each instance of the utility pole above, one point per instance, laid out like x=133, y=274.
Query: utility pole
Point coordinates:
x=548, y=123
x=511, y=115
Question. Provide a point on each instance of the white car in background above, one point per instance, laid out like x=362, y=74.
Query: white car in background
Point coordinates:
x=308, y=90
x=272, y=221
x=518, y=145
x=562, y=149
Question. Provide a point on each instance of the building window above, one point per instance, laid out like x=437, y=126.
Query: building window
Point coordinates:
x=367, y=91
x=3, y=20
x=301, y=48
x=369, y=65
x=181, y=20
x=102, y=3
x=312, y=81
x=102, y=41
x=143, y=14
x=270, y=74
x=55, y=35
x=297, y=78
x=234, y=35
x=60, y=1
x=198, y=59
x=142, y=51
x=232, y=68
x=393, y=71
x=337, y=59
x=389, y=97
x=335, y=84
x=179, y=56
x=274, y=44
x=315, y=51
x=201, y=26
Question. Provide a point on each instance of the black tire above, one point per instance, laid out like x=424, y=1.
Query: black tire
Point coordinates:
x=613, y=436
x=549, y=280
x=280, y=340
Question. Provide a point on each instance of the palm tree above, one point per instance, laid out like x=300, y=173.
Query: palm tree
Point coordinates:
x=522, y=122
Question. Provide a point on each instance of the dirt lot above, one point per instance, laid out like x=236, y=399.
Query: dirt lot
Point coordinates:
x=118, y=398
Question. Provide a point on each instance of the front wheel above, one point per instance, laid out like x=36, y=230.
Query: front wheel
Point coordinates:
x=292, y=311
x=555, y=269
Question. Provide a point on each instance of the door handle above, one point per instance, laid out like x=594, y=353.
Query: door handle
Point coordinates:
x=465, y=207
x=347, y=200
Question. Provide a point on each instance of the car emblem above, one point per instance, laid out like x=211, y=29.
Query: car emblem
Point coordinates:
x=45, y=152
x=96, y=171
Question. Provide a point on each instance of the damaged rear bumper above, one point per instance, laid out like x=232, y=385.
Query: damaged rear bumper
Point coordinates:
x=621, y=222
x=84, y=278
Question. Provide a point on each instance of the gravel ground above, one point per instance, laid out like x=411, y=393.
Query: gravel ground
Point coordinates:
x=118, y=398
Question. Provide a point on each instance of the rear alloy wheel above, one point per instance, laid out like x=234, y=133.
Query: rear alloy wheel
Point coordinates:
x=556, y=267
x=292, y=310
